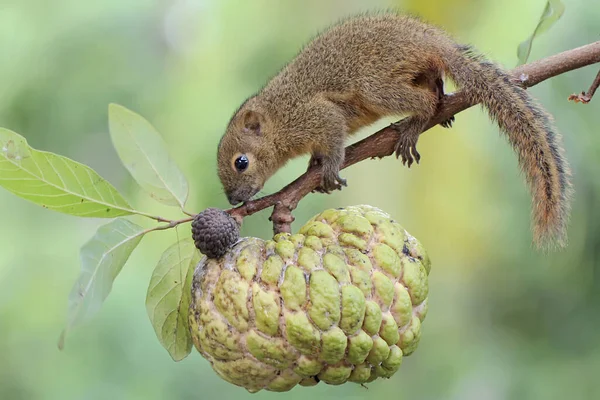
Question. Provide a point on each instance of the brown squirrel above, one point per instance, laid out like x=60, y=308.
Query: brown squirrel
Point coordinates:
x=373, y=66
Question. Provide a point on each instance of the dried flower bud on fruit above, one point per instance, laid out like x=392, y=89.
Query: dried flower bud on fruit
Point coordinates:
x=343, y=300
x=214, y=231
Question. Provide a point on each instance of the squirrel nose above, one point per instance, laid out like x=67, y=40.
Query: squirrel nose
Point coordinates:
x=233, y=200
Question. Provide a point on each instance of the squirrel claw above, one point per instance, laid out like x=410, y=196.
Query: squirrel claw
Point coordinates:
x=448, y=123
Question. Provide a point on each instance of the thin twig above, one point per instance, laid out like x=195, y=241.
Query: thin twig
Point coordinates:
x=382, y=143
x=586, y=97
x=171, y=224
x=183, y=210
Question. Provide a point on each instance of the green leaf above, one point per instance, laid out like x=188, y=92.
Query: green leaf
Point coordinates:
x=102, y=258
x=169, y=296
x=144, y=154
x=56, y=182
x=552, y=12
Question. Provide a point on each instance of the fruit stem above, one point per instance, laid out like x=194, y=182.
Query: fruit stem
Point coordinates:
x=170, y=224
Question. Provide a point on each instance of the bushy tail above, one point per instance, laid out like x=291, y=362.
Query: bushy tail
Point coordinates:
x=531, y=133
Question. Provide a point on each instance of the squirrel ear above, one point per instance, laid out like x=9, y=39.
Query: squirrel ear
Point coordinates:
x=252, y=121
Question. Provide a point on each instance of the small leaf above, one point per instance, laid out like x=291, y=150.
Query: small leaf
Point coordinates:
x=169, y=296
x=552, y=12
x=102, y=258
x=56, y=182
x=144, y=154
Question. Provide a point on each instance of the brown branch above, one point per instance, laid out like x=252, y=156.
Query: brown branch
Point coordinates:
x=587, y=97
x=382, y=143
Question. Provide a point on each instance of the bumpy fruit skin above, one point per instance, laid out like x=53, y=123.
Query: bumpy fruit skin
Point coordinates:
x=214, y=231
x=343, y=300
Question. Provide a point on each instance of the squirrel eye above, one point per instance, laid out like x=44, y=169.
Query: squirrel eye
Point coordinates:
x=241, y=163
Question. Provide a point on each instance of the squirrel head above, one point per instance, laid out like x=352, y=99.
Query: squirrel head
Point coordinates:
x=245, y=159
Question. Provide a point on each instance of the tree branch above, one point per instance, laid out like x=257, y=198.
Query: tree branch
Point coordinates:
x=382, y=143
x=587, y=97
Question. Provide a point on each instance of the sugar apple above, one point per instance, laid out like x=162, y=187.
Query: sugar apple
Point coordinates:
x=342, y=300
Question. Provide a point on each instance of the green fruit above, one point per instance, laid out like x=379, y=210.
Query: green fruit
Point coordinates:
x=341, y=301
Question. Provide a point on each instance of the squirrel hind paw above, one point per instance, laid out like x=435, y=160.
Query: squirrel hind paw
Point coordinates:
x=448, y=123
x=406, y=147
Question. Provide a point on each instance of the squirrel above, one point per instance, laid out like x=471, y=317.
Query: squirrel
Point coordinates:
x=371, y=66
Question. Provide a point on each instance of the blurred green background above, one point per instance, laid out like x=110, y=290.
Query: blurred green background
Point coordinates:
x=504, y=321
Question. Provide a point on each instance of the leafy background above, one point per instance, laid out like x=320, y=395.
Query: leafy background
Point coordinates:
x=505, y=321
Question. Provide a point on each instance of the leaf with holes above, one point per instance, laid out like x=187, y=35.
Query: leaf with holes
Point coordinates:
x=169, y=295
x=552, y=12
x=56, y=182
x=102, y=258
x=144, y=154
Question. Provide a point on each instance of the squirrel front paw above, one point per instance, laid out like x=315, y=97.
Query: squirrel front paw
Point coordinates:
x=330, y=179
x=331, y=182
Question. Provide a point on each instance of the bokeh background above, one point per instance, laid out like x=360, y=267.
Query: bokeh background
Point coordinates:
x=505, y=321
